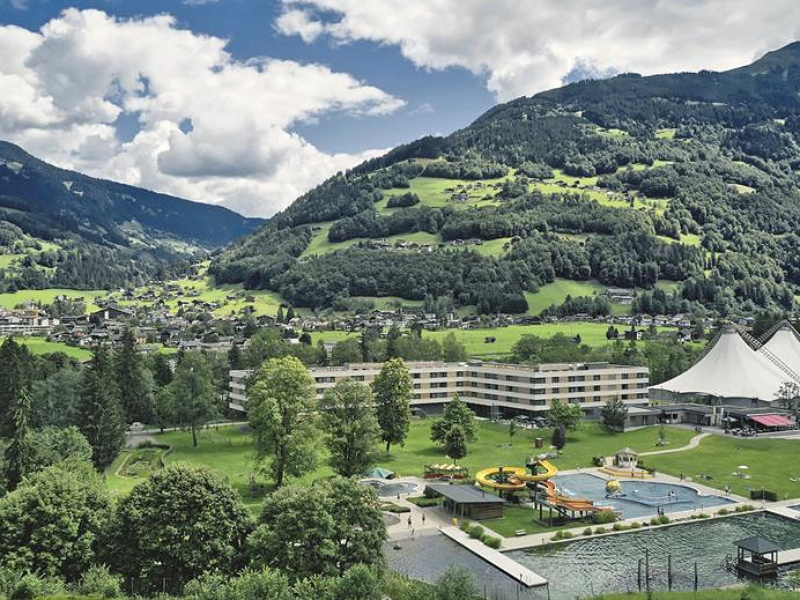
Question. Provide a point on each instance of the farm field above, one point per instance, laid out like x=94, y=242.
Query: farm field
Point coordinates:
x=47, y=296
x=431, y=192
x=772, y=464
x=229, y=450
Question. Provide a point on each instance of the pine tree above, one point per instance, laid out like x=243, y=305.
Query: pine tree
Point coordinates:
x=279, y=317
x=134, y=380
x=290, y=313
x=18, y=452
x=100, y=414
x=14, y=378
x=162, y=372
x=235, y=358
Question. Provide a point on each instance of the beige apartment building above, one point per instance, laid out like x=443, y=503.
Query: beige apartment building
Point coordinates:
x=493, y=389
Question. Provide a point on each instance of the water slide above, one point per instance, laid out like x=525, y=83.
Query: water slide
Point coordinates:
x=509, y=479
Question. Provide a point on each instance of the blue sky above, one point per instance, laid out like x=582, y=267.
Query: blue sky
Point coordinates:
x=249, y=103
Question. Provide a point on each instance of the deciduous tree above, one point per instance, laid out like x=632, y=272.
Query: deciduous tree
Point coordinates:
x=456, y=412
x=281, y=408
x=350, y=426
x=392, y=389
x=192, y=393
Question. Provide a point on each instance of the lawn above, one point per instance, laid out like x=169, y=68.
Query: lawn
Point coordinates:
x=557, y=291
x=320, y=244
x=431, y=192
x=771, y=463
x=229, y=450
x=752, y=592
x=40, y=346
x=47, y=296
x=593, y=334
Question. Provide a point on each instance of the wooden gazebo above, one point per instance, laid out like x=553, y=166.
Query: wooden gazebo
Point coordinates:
x=757, y=557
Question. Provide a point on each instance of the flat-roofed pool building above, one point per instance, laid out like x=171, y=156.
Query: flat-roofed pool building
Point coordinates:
x=491, y=389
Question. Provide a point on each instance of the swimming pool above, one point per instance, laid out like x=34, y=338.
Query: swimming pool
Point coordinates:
x=639, y=498
x=386, y=489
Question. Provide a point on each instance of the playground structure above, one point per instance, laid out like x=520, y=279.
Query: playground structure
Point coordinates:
x=545, y=493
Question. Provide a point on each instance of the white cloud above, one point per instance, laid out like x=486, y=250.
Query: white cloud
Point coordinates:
x=523, y=47
x=63, y=88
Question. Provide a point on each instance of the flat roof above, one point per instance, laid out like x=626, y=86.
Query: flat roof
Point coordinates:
x=465, y=494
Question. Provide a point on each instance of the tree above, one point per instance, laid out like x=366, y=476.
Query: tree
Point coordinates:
x=322, y=529
x=392, y=389
x=612, y=333
x=99, y=413
x=788, y=395
x=452, y=349
x=55, y=400
x=14, y=378
x=456, y=412
x=564, y=415
x=455, y=443
x=392, y=336
x=279, y=318
x=457, y=583
x=183, y=521
x=793, y=579
x=235, y=358
x=19, y=451
x=350, y=426
x=281, y=409
x=290, y=313
x=136, y=384
x=54, y=445
x=614, y=414
x=53, y=523
x=559, y=439
x=512, y=429
x=192, y=393
x=346, y=351
x=162, y=372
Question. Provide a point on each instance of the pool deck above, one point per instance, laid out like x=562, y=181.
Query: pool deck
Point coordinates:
x=497, y=559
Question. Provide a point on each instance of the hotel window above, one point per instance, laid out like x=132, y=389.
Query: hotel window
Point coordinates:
x=596, y=377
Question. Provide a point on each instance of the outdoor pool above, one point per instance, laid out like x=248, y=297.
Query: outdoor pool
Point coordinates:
x=640, y=498
x=610, y=564
x=386, y=489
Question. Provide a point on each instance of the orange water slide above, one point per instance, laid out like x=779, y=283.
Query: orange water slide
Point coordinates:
x=568, y=502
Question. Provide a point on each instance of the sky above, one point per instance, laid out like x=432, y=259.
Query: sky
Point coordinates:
x=250, y=103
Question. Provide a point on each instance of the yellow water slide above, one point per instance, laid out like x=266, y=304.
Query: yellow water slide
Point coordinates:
x=514, y=478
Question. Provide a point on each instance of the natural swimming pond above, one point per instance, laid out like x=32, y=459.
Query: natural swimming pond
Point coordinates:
x=611, y=563
x=386, y=489
x=639, y=498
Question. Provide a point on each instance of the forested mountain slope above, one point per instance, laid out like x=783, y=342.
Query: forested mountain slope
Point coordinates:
x=71, y=230
x=690, y=179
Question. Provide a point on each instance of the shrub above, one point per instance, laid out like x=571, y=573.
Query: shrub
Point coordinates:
x=654, y=521
x=429, y=493
x=663, y=520
x=465, y=525
x=491, y=541
x=476, y=531
x=423, y=502
x=587, y=531
x=635, y=525
x=619, y=527
x=32, y=586
x=99, y=582
x=567, y=535
x=723, y=511
x=599, y=530
x=604, y=517
x=391, y=507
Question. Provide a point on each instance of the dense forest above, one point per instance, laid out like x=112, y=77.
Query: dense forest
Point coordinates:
x=70, y=230
x=690, y=177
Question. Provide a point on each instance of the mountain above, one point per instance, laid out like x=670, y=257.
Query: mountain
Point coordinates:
x=92, y=230
x=682, y=186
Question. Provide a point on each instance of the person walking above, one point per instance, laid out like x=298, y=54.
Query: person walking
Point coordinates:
x=409, y=521
x=423, y=519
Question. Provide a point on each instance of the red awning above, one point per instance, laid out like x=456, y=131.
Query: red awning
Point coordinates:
x=772, y=420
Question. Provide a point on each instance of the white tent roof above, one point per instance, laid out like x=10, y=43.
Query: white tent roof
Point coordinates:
x=786, y=346
x=730, y=369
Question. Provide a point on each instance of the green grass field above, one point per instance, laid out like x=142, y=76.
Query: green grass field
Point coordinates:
x=229, y=450
x=751, y=592
x=431, y=192
x=41, y=346
x=772, y=464
x=666, y=134
x=592, y=334
x=556, y=293
x=47, y=296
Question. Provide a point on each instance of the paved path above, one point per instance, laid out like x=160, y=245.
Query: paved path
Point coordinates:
x=693, y=443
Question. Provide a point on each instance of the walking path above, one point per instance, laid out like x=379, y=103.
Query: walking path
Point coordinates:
x=693, y=443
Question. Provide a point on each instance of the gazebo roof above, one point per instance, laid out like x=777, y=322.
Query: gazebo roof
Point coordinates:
x=627, y=450
x=757, y=545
